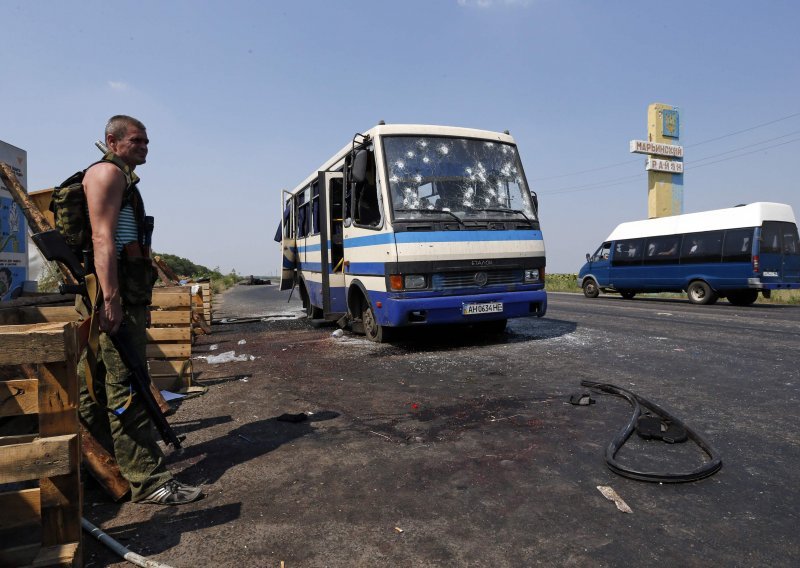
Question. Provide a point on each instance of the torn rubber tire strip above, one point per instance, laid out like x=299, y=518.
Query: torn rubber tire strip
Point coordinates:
x=709, y=468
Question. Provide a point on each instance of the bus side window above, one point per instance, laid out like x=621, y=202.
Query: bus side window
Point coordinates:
x=602, y=252
x=702, y=247
x=662, y=250
x=790, y=240
x=314, y=209
x=738, y=245
x=303, y=214
x=628, y=252
x=770, y=238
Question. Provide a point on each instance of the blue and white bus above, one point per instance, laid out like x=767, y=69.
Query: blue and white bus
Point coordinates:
x=412, y=225
x=733, y=253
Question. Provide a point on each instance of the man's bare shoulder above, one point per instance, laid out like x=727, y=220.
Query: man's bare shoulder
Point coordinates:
x=104, y=175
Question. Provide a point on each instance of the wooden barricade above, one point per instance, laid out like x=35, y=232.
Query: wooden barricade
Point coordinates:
x=205, y=294
x=39, y=472
x=169, y=351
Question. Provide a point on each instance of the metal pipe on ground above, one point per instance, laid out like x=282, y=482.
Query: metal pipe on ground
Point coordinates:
x=131, y=557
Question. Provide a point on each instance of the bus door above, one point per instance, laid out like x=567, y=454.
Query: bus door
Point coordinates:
x=288, y=242
x=779, y=257
x=331, y=206
x=626, y=272
x=598, y=264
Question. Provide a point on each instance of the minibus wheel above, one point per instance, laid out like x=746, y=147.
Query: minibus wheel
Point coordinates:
x=627, y=294
x=742, y=297
x=701, y=293
x=590, y=289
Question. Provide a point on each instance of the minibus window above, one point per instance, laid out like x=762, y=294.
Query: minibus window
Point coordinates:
x=601, y=253
x=662, y=250
x=738, y=245
x=628, y=252
x=702, y=247
x=791, y=243
x=771, y=238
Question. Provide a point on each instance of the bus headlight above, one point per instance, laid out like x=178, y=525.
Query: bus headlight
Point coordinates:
x=532, y=275
x=399, y=282
x=414, y=281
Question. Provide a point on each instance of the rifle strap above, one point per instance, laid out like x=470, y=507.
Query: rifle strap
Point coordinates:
x=93, y=344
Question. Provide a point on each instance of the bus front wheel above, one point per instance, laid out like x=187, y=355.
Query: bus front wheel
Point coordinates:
x=590, y=289
x=372, y=329
x=742, y=297
x=701, y=293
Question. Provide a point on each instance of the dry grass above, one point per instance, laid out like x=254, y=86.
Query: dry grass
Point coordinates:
x=569, y=283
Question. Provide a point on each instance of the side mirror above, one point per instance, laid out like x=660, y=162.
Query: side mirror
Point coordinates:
x=588, y=256
x=535, y=202
x=359, y=169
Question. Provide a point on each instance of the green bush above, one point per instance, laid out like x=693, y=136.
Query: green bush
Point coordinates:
x=185, y=268
x=561, y=283
x=569, y=283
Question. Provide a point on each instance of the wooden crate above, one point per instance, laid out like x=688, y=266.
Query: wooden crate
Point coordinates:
x=40, y=491
x=169, y=351
x=205, y=296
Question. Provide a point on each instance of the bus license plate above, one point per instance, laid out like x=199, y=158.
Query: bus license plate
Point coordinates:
x=484, y=308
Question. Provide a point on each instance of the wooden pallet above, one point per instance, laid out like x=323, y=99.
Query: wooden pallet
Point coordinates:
x=169, y=349
x=40, y=490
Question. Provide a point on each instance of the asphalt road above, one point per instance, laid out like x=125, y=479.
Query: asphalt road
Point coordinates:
x=446, y=449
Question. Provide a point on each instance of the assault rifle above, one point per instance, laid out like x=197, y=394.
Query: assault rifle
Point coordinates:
x=54, y=248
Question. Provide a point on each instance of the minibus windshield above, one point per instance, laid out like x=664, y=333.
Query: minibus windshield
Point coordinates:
x=467, y=178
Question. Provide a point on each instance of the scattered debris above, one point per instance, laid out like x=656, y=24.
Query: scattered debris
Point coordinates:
x=171, y=395
x=213, y=347
x=227, y=357
x=242, y=342
x=612, y=495
x=381, y=435
x=254, y=281
x=338, y=333
x=581, y=399
x=398, y=530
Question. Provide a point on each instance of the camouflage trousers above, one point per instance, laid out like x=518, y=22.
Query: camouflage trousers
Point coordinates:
x=131, y=434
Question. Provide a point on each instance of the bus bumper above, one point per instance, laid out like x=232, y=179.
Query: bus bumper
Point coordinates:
x=760, y=284
x=396, y=312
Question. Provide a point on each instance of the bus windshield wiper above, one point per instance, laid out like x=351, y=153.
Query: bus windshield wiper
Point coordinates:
x=437, y=211
x=504, y=210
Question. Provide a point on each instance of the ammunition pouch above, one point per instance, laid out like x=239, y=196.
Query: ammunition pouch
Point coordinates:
x=136, y=275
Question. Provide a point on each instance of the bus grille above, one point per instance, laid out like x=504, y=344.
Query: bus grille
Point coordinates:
x=454, y=280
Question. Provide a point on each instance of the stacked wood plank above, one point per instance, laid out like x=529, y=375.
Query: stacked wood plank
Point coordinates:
x=169, y=348
x=40, y=491
x=205, y=294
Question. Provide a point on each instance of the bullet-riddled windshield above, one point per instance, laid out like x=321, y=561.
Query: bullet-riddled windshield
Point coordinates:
x=470, y=179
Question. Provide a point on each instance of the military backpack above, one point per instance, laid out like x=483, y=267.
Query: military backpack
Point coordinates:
x=70, y=211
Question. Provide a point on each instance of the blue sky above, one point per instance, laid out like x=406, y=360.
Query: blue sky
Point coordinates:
x=242, y=99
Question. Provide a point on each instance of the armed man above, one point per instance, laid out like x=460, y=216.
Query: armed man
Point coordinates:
x=120, y=253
